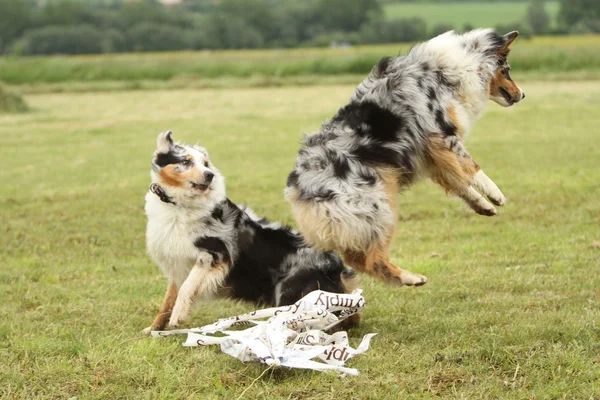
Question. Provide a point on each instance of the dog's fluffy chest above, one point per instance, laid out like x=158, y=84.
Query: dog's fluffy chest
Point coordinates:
x=170, y=239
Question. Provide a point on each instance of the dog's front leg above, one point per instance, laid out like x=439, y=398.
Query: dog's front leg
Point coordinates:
x=453, y=168
x=487, y=187
x=204, y=278
x=483, y=186
x=477, y=202
x=165, y=310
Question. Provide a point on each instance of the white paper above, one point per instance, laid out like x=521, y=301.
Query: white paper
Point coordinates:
x=290, y=336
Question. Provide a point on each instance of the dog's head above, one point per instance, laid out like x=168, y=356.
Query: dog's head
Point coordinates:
x=503, y=90
x=185, y=173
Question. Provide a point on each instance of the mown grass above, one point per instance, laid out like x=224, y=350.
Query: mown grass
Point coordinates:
x=542, y=54
x=11, y=101
x=473, y=13
x=512, y=308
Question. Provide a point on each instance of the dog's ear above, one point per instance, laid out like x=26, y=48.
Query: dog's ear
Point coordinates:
x=164, y=142
x=509, y=38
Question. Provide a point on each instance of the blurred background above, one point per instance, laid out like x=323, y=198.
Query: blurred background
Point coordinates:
x=183, y=41
x=35, y=27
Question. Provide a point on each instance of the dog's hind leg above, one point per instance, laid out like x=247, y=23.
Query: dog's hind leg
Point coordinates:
x=376, y=259
x=376, y=262
x=453, y=169
x=165, y=310
x=203, y=279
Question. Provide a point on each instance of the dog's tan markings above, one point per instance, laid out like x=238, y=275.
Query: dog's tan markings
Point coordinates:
x=376, y=262
x=171, y=177
x=452, y=173
x=165, y=310
x=454, y=118
x=499, y=80
x=456, y=174
x=390, y=178
x=392, y=181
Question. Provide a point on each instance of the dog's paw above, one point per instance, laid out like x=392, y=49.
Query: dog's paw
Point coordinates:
x=478, y=203
x=497, y=199
x=485, y=209
x=486, y=186
x=408, y=278
x=146, y=331
x=174, y=323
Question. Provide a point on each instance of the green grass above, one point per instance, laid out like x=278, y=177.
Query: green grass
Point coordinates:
x=11, y=101
x=540, y=55
x=76, y=285
x=478, y=13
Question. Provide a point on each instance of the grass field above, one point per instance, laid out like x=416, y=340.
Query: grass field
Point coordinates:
x=575, y=54
x=511, y=310
x=482, y=13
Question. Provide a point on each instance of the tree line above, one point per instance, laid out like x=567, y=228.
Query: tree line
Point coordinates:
x=109, y=26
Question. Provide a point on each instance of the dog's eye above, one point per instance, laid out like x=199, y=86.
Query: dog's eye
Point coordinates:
x=206, y=163
x=185, y=162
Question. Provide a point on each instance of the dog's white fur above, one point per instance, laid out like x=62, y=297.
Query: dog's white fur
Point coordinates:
x=206, y=245
x=170, y=232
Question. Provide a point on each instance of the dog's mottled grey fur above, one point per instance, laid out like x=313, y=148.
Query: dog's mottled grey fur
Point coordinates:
x=407, y=120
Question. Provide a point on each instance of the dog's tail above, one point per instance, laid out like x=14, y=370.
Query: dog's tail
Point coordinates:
x=379, y=71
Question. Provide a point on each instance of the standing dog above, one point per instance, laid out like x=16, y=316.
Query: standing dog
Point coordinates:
x=206, y=245
x=407, y=120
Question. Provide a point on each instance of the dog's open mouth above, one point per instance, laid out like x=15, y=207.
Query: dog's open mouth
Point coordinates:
x=507, y=96
x=200, y=186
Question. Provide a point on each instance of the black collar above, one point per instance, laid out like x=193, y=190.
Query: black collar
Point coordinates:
x=157, y=190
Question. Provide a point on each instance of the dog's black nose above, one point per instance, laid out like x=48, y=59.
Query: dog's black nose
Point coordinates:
x=208, y=176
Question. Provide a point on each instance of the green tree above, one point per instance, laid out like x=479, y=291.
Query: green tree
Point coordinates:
x=131, y=14
x=73, y=39
x=440, y=28
x=15, y=18
x=398, y=30
x=257, y=14
x=222, y=31
x=70, y=12
x=347, y=15
x=157, y=37
x=574, y=11
x=538, y=18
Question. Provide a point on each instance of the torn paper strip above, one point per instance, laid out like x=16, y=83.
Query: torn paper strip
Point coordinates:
x=291, y=336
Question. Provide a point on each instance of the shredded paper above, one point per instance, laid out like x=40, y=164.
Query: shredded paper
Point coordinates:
x=290, y=336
